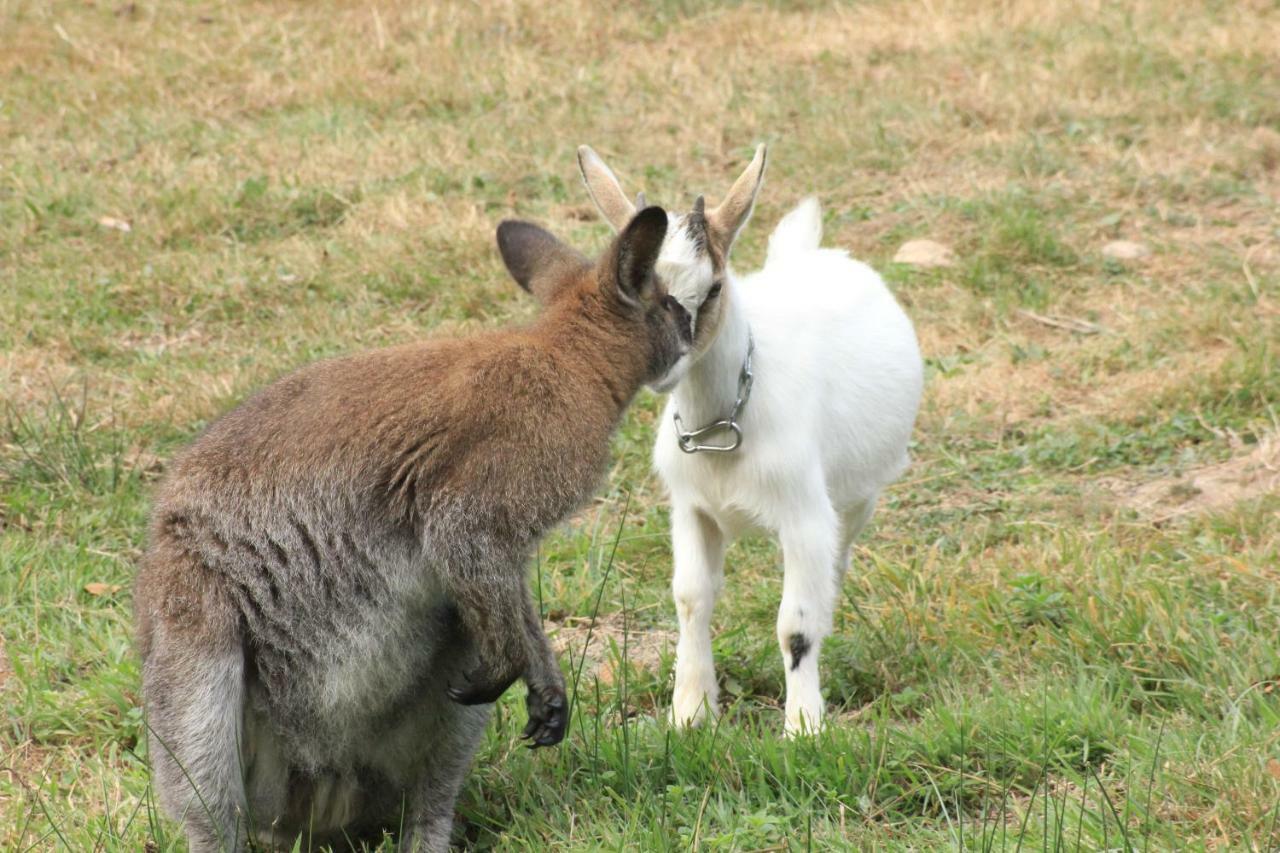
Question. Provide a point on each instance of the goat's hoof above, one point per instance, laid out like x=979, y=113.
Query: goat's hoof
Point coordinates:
x=803, y=725
x=685, y=719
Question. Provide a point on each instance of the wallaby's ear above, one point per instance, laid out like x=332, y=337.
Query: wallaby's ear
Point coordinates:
x=635, y=253
x=726, y=219
x=539, y=262
x=604, y=189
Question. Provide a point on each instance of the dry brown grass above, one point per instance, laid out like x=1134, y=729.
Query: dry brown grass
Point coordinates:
x=303, y=179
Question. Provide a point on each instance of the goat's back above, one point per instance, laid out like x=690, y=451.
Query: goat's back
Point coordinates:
x=838, y=379
x=832, y=324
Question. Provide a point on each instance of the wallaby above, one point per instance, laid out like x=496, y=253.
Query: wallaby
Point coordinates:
x=335, y=588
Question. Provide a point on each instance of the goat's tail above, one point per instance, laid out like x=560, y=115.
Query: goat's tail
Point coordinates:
x=799, y=231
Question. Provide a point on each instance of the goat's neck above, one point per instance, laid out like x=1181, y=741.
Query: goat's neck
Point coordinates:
x=708, y=391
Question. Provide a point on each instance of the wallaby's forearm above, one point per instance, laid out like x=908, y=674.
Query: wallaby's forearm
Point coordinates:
x=500, y=616
x=491, y=609
x=547, y=701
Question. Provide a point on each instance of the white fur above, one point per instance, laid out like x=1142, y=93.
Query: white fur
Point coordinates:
x=838, y=378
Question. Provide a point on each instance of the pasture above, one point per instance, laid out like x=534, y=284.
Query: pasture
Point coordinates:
x=1063, y=626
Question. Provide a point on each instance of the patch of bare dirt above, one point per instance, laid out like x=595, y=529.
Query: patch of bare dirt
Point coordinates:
x=1125, y=250
x=1208, y=488
x=925, y=253
x=644, y=646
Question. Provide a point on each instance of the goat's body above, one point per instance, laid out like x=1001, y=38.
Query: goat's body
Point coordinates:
x=838, y=379
x=835, y=394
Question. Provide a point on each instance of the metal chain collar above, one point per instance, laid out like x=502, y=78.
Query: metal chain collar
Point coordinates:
x=688, y=441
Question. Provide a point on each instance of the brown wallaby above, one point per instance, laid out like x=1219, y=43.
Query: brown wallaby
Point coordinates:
x=335, y=588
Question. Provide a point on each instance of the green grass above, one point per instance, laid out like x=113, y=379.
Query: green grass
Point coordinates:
x=1026, y=657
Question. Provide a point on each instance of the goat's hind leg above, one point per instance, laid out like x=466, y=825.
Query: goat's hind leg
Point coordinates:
x=856, y=518
x=809, y=590
x=698, y=547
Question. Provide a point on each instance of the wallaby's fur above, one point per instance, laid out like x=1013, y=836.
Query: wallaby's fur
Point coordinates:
x=335, y=588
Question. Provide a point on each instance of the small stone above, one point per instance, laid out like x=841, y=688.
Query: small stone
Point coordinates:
x=1125, y=250
x=924, y=253
x=115, y=224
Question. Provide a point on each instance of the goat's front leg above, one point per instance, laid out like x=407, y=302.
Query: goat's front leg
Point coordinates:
x=698, y=549
x=809, y=590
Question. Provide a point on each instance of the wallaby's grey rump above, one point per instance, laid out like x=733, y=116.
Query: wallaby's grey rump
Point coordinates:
x=334, y=592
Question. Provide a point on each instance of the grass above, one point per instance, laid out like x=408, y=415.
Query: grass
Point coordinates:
x=1025, y=658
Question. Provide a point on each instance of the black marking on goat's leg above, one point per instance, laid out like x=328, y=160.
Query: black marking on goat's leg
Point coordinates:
x=800, y=646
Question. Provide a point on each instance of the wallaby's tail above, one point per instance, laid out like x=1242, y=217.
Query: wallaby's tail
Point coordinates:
x=799, y=231
x=193, y=687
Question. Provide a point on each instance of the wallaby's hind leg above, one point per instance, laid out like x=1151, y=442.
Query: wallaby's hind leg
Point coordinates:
x=193, y=686
x=429, y=823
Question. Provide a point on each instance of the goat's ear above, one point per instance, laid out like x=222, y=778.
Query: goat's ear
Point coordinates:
x=726, y=220
x=635, y=252
x=604, y=189
x=539, y=262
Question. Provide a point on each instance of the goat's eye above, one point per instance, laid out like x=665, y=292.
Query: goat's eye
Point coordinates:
x=715, y=290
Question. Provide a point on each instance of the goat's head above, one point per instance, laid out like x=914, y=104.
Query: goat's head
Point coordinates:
x=620, y=291
x=695, y=253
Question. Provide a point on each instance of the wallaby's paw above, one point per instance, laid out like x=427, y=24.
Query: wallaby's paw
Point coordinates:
x=548, y=716
x=480, y=689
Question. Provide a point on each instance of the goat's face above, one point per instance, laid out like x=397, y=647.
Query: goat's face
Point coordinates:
x=695, y=278
x=693, y=263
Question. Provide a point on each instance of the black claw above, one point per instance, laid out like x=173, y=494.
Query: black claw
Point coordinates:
x=548, y=718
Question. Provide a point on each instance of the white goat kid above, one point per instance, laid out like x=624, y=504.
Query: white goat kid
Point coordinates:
x=790, y=414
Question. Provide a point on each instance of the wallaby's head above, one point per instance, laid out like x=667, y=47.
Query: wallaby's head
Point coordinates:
x=620, y=292
x=695, y=253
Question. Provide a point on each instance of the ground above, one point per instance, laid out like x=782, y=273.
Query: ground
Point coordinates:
x=1062, y=627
